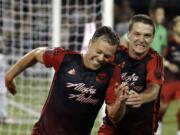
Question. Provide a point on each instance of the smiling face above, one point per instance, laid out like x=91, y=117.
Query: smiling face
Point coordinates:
x=99, y=53
x=140, y=38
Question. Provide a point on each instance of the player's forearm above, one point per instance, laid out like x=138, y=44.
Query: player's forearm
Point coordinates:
x=116, y=111
x=150, y=93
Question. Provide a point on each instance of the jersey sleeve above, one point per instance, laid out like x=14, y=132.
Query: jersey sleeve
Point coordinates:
x=155, y=71
x=110, y=96
x=53, y=57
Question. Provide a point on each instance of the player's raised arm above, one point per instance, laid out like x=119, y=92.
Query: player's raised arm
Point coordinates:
x=26, y=61
x=116, y=110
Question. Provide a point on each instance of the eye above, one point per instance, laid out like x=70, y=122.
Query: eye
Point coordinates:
x=147, y=35
x=137, y=34
x=98, y=52
x=107, y=56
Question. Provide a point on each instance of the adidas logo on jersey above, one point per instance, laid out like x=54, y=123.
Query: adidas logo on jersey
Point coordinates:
x=72, y=72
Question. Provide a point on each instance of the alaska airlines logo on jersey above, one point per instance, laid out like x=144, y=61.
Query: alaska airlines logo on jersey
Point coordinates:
x=85, y=95
x=131, y=79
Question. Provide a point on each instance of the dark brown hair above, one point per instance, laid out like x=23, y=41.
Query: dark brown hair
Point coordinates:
x=143, y=19
x=109, y=35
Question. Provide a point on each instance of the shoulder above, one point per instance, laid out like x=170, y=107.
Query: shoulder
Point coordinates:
x=110, y=66
x=121, y=54
x=59, y=50
x=154, y=54
x=122, y=48
x=71, y=56
x=155, y=57
x=124, y=40
x=155, y=68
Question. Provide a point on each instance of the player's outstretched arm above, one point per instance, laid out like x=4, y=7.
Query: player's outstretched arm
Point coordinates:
x=116, y=110
x=26, y=61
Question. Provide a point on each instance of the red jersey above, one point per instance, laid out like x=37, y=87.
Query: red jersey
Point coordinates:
x=76, y=94
x=137, y=73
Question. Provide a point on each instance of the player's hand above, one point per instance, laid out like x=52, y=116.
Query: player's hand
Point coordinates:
x=134, y=99
x=121, y=91
x=10, y=84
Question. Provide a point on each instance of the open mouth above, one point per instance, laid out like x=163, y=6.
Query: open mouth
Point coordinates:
x=140, y=46
x=97, y=63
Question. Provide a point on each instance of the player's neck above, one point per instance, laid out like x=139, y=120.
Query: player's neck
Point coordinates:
x=137, y=56
x=85, y=60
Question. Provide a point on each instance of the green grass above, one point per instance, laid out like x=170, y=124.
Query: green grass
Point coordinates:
x=31, y=93
x=169, y=124
x=15, y=129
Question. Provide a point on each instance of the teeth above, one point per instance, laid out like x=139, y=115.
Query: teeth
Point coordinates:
x=96, y=62
x=141, y=45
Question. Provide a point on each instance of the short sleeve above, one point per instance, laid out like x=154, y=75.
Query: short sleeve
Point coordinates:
x=53, y=57
x=110, y=96
x=155, y=71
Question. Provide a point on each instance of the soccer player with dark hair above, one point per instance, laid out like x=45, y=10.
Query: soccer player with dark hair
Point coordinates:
x=142, y=69
x=81, y=84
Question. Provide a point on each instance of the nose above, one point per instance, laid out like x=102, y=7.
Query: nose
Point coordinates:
x=101, y=58
x=141, y=38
